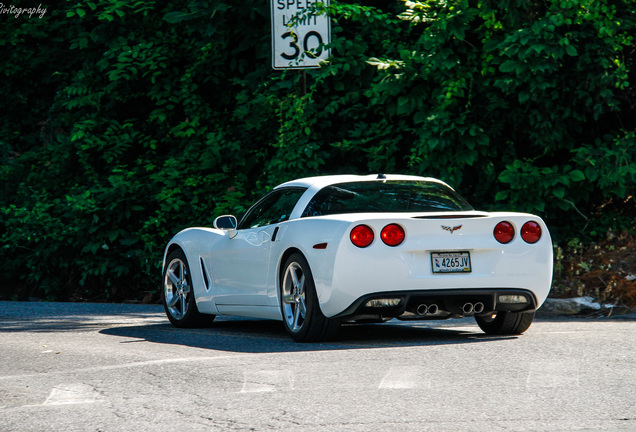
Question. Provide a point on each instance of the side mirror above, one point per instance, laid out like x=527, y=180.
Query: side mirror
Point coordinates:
x=226, y=223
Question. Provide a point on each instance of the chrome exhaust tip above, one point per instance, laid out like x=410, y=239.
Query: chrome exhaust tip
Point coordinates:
x=433, y=309
x=468, y=308
x=478, y=308
x=422, y=310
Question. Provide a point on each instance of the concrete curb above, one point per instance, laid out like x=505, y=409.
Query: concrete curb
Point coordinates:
x=585, y=306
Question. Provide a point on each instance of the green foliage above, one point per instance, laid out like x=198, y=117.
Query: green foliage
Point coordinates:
x=527, y=105
x=141, y=134
x=124, y=122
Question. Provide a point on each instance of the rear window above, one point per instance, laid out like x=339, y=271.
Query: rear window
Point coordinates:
x=385, y=197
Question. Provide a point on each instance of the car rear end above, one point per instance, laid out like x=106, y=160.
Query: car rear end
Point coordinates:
x=439, y=265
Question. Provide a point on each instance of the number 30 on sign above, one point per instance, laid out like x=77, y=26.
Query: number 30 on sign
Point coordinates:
x=298, y=36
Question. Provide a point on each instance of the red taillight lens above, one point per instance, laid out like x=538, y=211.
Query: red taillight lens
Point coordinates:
x=531, y=232
x=361, y=236
x=392, y=235
x=504, y=232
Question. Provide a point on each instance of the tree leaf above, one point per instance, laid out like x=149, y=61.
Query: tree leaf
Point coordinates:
x=577, y=175
x=508, y=66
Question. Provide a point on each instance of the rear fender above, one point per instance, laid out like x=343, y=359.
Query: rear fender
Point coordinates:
x=318, y=240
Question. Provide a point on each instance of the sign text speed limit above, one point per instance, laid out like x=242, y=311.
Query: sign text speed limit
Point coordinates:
x=298, y=36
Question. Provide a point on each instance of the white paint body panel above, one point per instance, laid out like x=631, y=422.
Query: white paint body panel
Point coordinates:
x=243, y=272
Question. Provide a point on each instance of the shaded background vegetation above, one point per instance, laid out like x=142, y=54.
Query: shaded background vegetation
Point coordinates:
x=122, y=122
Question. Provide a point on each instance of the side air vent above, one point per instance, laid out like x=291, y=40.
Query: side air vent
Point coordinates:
x=206, y=280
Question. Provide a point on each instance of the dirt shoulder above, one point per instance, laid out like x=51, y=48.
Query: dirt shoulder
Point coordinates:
x=604, y=271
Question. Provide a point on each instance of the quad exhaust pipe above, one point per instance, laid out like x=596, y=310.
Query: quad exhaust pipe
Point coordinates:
x=473, y=308
x=424, y=309
x=467, y=308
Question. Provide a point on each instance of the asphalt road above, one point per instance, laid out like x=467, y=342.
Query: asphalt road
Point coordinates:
x=105, y=367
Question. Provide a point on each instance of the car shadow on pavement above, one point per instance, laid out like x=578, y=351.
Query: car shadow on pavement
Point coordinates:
x=261, y=336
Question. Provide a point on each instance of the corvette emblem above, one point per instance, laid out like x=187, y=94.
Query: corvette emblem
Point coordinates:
x=451, y=229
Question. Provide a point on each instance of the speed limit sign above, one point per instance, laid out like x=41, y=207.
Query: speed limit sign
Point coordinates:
x=298, y=36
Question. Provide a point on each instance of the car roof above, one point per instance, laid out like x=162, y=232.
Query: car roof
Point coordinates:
x=320, y=182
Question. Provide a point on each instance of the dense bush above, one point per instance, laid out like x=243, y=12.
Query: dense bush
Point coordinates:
x=123, y=122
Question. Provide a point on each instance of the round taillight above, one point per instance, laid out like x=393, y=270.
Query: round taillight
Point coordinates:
x=392, y=235
x=504, y=232
x=531, y=232
x=361, y=236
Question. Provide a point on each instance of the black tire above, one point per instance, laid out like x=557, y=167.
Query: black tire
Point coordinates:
x=302, y=317
x=505, y=323
x=177, y=294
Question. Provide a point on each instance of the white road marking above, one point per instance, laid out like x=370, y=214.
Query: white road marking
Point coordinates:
x=67, y=394
x=121, y=366
x=404, y=377
x=553, y=374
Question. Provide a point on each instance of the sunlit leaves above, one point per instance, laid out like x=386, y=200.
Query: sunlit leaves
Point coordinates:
x=132, y=120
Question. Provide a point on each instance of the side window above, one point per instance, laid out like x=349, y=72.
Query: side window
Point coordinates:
x=275, y=207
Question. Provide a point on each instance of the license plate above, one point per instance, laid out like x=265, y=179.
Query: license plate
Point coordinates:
x=450, y=262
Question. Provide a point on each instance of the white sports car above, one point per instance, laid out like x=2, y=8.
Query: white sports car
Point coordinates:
x=320, y=251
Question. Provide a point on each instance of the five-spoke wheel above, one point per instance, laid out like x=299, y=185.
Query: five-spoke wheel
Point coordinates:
x=178, y=295
x=294, y=299
x=304, y=321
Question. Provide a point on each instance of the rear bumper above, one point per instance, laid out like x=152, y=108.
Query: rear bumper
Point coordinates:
x=440, y=304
